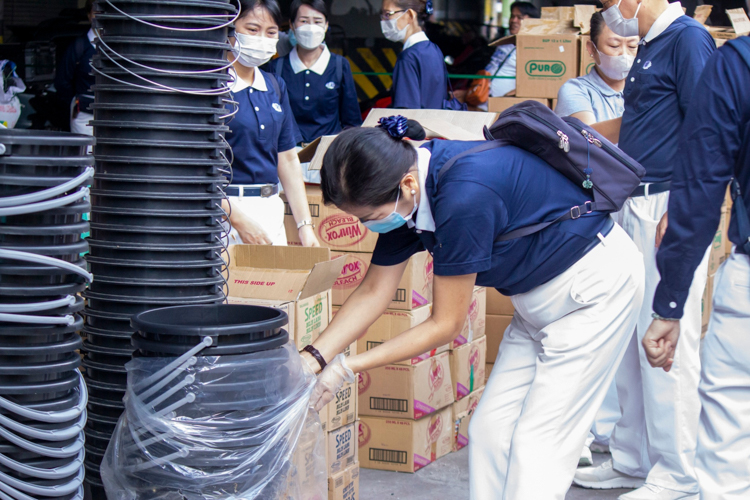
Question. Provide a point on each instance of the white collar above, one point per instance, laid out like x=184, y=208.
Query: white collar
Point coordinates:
x=319, y=67
x=91, y=35
x=425, y=221
x=415, y=39
x=673, y=12
x=259, y=82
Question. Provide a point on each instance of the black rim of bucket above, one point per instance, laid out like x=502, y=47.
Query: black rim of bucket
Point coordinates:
x=48, y=161
x=147, y=160
x=156, y=263
x=191, y=247
x=46, y=291
x=40, y=389
x=75, y=228
x=157, y=349
x=44, y=138
x=153, y=301
x=23, y=329
x=183, y=320
x=72, y=361
x=62, y=347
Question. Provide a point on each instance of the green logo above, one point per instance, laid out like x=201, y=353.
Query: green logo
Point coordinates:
x=590, y=67
x=547, y=69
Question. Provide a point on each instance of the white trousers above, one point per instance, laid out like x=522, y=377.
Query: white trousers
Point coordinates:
x=723, y=457
x=657, y=434
x=268, y=213
x=556, y=361
x=606, y=418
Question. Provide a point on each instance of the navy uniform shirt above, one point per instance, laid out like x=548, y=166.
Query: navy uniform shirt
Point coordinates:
x=714, y=146
x=262, y=128
x=74, y=75
x=420, y=78
x=658, y=91
x=483, y=196
x=322, y=104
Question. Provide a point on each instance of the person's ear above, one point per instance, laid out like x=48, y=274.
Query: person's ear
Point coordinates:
x=410, y=183
x=591, y=48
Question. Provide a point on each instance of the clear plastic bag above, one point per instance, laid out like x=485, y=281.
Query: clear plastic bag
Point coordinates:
x=217, y=427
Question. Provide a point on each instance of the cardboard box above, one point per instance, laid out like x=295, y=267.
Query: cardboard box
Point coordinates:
x=315, y=151
x=404, y=445
x=582, y=17
x=500, y=104
x=295, y=280
x=342, y=410
x=740, y=26
x=462, y=411
x=476, y=319
x=345, y=484
x=467, y=368
x=406, y=391
x=586, y=62
x=392, y=324
x=342, y=448
x=453, y=125
x=496, y=326
x=702, y=12
x=546, y=56
x=717, y=254
x=558, y=13
x=309, y=462
x=414, y=290
x=707, y=304
x=497, y=303
x=334, y=228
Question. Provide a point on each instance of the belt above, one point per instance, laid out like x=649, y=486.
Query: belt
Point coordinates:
x=608, y=225
x=262, y=190
x=652, y=188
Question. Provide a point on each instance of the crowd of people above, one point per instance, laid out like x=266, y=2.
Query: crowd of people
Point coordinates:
x=604, y=350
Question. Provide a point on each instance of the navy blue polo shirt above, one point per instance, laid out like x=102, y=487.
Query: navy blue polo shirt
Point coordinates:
x=322, y=104
x=262, y=128
x=714, y=147
x=420, y=78
x=488, y=194
x=658, y=92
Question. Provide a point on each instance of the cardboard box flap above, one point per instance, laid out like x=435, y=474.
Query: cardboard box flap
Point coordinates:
x=504, y=41
x=316, y=151
x=702, y=12
x=454, y=125
x=739, y=20
x=322, y=277
x=277, y=257
x=558, y=13
x=547, y=27
x=582, y=18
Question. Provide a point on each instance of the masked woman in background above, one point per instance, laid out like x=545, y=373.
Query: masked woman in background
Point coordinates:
x=263, y=137
x=420, y=78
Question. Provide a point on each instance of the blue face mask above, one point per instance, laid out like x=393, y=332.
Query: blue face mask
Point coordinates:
x=392, y=221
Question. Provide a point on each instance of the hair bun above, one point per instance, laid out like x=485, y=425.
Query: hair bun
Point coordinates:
x=396, y=126
x=428, y=8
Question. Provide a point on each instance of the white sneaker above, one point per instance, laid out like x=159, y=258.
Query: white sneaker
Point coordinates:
x=604, y=477
x=586, y=458
x=599, y=448
x=653, y=492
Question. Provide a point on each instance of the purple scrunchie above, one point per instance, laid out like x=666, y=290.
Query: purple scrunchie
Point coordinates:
x=428, y=9
x=396, y=126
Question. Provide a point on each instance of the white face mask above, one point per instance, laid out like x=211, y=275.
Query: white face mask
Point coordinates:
x=254, y=51
x=310, y=36
x=390, y=30
x=615, y=67
x=618, y=24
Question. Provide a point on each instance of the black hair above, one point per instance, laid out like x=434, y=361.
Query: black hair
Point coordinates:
x=597, y=25
x=318, y=5
x=272, y=6
x=89, y=7
x=526, y=9
x=364, y=166
x=418, y=6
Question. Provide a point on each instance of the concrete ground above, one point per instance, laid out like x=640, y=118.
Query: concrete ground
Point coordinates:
x=447, y=479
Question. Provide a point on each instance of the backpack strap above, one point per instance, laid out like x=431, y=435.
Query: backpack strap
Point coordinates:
x=574, y=212
x=275, y=85
x=339, y=69
x=279, y=65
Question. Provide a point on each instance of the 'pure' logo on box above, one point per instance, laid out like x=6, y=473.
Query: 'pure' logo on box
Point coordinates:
x=548, y=69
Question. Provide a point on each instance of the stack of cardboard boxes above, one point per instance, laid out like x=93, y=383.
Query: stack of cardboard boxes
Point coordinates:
x=299, y=282
x=499, y=314
x=721, y=247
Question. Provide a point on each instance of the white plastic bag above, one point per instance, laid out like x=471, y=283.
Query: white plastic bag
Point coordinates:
x=217, y=427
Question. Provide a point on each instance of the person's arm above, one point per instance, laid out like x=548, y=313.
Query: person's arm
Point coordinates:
x=610, y=129
x=405, y=91
x=694, y=48
x=709, y=147
x=573, y=100
x=249, y=230
x=290, y=175
x=348, y=104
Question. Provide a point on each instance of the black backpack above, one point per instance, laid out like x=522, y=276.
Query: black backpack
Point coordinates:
x=579, y=152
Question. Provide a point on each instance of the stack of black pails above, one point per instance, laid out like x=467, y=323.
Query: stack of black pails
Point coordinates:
x=44, y=179
x=157, y=239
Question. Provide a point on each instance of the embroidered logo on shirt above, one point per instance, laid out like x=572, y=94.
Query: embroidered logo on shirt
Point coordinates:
x=647, y=65
x=330, y=85
x=276, y=106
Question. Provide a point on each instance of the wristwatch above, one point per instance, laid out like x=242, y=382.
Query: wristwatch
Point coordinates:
x=306, y=222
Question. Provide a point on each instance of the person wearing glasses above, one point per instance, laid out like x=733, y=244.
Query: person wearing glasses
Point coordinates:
x=653, y=444
x=420, y=78
x=321, y=87
x=264, y=137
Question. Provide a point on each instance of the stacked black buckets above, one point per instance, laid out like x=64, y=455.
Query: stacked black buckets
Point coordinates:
x=157, y=237
x=44, y=179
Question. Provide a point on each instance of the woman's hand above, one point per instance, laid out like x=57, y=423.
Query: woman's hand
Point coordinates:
x=330, y=382
x=307, y=236
x=250, y=231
